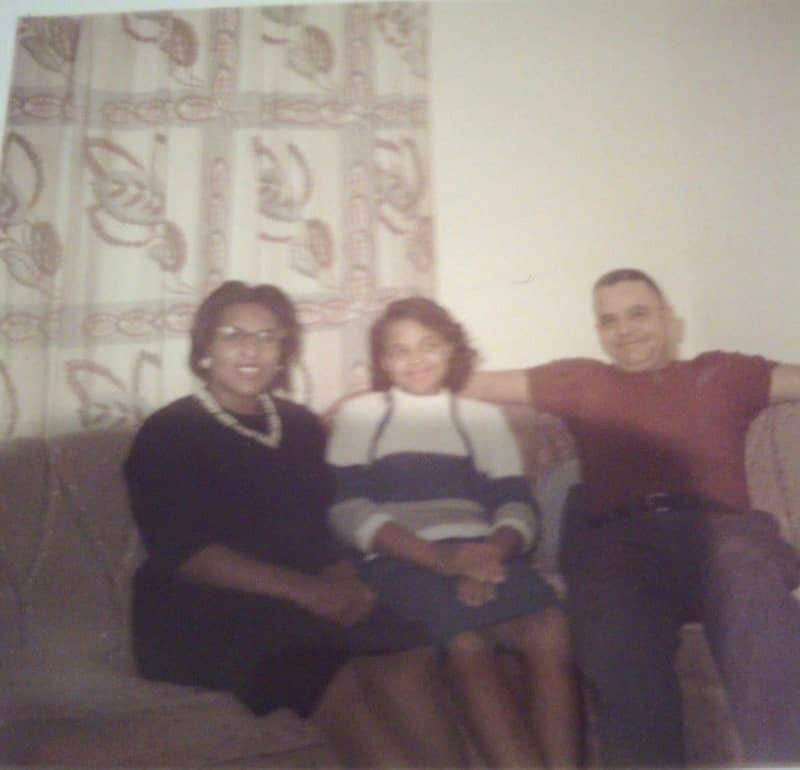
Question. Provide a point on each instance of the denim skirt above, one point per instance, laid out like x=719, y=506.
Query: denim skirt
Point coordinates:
x=421, y=595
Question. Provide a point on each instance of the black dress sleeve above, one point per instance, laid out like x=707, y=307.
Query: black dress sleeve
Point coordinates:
x=168, y=489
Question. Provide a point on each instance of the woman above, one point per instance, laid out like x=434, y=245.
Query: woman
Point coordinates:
x=242, y=589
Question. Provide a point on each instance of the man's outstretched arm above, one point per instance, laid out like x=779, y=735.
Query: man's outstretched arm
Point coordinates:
x=785, y=383
x=501, y=387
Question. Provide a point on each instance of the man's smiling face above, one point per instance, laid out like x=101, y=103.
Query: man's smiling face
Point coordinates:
x=634, y=325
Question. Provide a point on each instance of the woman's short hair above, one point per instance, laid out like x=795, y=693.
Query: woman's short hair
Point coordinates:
x=273, y=299
x=433, y=316
x=628, y=274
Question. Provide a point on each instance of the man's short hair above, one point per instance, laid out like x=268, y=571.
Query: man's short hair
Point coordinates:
x=614, y=277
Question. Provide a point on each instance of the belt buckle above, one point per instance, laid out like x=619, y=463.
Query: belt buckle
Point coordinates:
x=658, y=502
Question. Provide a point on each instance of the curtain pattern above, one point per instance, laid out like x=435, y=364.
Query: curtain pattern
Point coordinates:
x=150, y=156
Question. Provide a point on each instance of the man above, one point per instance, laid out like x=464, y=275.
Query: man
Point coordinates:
x=665, y=534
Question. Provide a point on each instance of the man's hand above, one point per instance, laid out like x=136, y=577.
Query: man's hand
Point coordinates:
x=475, y=593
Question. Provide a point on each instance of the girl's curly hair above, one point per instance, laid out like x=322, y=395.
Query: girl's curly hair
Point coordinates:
x=433, y=316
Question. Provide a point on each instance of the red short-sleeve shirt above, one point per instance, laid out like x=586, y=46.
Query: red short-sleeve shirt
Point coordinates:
x=679, y=429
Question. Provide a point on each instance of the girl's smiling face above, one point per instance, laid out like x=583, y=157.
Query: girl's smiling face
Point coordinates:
x=415, y=358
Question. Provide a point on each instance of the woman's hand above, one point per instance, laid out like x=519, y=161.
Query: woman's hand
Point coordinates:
x=343, y=599
x=336, y=593
x=344, y=568
x=475, y=593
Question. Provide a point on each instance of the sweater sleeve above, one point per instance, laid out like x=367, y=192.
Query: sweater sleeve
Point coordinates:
x=355, y=517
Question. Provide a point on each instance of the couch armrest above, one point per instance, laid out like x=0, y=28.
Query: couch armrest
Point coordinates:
x=773, y=466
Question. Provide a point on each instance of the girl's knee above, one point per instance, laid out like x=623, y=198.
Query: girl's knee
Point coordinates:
x=547, y=633
x=469, y=644
x=553, y=622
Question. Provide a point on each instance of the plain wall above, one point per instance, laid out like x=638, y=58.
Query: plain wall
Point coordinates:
x=576, y=136
x=579, y=136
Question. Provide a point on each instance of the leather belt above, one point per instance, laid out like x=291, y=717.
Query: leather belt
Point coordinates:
x=656, y=502
x=659, y=502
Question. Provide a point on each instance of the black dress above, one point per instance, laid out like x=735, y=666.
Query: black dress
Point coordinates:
x=194, y=481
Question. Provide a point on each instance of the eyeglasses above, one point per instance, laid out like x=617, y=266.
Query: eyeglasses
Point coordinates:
x=233, y=335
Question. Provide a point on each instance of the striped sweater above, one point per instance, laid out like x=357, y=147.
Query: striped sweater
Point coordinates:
x=440, y=466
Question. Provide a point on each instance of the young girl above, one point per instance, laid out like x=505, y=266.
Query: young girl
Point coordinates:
x=431, y=490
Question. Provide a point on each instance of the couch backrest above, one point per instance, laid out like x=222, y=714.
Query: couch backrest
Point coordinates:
x=69, y=546
x=772, y=467
x=551, y=465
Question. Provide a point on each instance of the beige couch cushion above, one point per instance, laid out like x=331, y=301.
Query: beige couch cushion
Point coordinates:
x=70, y=694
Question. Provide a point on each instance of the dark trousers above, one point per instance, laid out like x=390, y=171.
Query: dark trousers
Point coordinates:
x=633, y=582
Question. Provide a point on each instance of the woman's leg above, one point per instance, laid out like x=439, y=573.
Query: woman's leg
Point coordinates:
x=408, y=692
x=391, y=711
x=492, y=714
x=543, y=640
x=358, y=736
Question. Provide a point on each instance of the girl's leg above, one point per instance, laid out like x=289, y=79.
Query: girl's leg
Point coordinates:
x=493, y=717
x=543, y=640
x=407, y=690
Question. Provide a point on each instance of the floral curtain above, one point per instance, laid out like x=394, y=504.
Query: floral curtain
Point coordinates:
x=149, y=156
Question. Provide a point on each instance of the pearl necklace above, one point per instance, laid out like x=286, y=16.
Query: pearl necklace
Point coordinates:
x=272, y=438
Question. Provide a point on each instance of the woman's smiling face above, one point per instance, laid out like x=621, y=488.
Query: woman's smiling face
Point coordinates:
x=244, y=356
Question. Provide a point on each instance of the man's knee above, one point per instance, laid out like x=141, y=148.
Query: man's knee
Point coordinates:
x=745, y=550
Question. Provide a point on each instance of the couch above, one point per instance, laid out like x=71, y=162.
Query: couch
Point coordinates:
x=69, y=694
